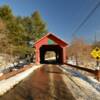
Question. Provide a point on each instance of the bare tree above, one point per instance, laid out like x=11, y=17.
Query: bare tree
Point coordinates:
x=79, y=50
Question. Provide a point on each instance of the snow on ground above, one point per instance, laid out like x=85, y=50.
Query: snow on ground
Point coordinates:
x=81, y=86
x=51, y=58
x=7, y=84
x=90, y=64
x=89, y=79
x=95, y=84
x=73, y=62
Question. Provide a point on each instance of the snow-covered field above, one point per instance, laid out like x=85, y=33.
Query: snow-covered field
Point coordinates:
x=7, y=84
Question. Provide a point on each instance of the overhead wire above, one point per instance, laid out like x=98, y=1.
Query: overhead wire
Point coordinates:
x=86, y=19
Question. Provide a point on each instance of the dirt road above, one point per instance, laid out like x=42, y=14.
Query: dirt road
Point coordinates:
x=46, y=83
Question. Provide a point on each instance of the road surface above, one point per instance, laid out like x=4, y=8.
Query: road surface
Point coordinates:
x=46, y=83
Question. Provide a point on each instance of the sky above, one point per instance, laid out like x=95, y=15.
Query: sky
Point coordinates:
x=62, y=16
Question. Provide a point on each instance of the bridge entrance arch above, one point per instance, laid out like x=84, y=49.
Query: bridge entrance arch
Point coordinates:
x=56, y=58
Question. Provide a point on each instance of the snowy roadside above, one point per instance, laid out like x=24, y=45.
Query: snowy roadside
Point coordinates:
x=88, y=79
x=89, y=65
x=9, y=83
x=81, y=86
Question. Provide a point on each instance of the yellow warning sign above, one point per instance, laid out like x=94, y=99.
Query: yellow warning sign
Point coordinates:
x=96, y=53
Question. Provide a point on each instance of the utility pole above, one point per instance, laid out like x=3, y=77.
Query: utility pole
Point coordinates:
x=97, y=58
x=95, y=38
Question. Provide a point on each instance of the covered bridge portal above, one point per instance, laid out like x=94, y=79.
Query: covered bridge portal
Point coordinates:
x=53, y=44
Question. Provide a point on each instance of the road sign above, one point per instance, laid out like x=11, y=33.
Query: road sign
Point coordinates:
x=96, y=53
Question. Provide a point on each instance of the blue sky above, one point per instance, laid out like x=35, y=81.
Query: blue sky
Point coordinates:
x=62, y=16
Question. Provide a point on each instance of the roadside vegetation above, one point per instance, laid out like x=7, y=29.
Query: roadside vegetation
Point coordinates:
x=80, y=52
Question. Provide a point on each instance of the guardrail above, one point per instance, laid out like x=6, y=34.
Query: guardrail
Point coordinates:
x=94, y=72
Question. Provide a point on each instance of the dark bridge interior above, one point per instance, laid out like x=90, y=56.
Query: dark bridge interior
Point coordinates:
x=52, y=48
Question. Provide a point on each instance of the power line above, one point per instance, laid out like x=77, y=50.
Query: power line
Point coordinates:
x=87, y=17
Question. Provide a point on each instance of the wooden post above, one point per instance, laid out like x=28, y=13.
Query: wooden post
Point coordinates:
x=97, y=73
x=98, y=69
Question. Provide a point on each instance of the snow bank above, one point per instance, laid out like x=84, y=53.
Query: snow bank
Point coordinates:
x=81, y=86
x=7, y=84
x=93, y=82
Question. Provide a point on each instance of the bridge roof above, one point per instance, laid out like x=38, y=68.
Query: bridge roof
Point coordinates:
x=53, y=38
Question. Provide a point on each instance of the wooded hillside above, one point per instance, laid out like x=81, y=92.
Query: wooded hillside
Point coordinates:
x=18, y=33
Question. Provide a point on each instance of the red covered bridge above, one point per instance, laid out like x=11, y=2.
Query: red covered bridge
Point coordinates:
x=51, y=43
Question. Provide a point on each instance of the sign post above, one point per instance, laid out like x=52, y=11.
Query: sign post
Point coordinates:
x=96, y=54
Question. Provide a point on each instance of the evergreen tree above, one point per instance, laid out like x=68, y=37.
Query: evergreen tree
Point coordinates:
x=6, y=12
x=39, y=28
